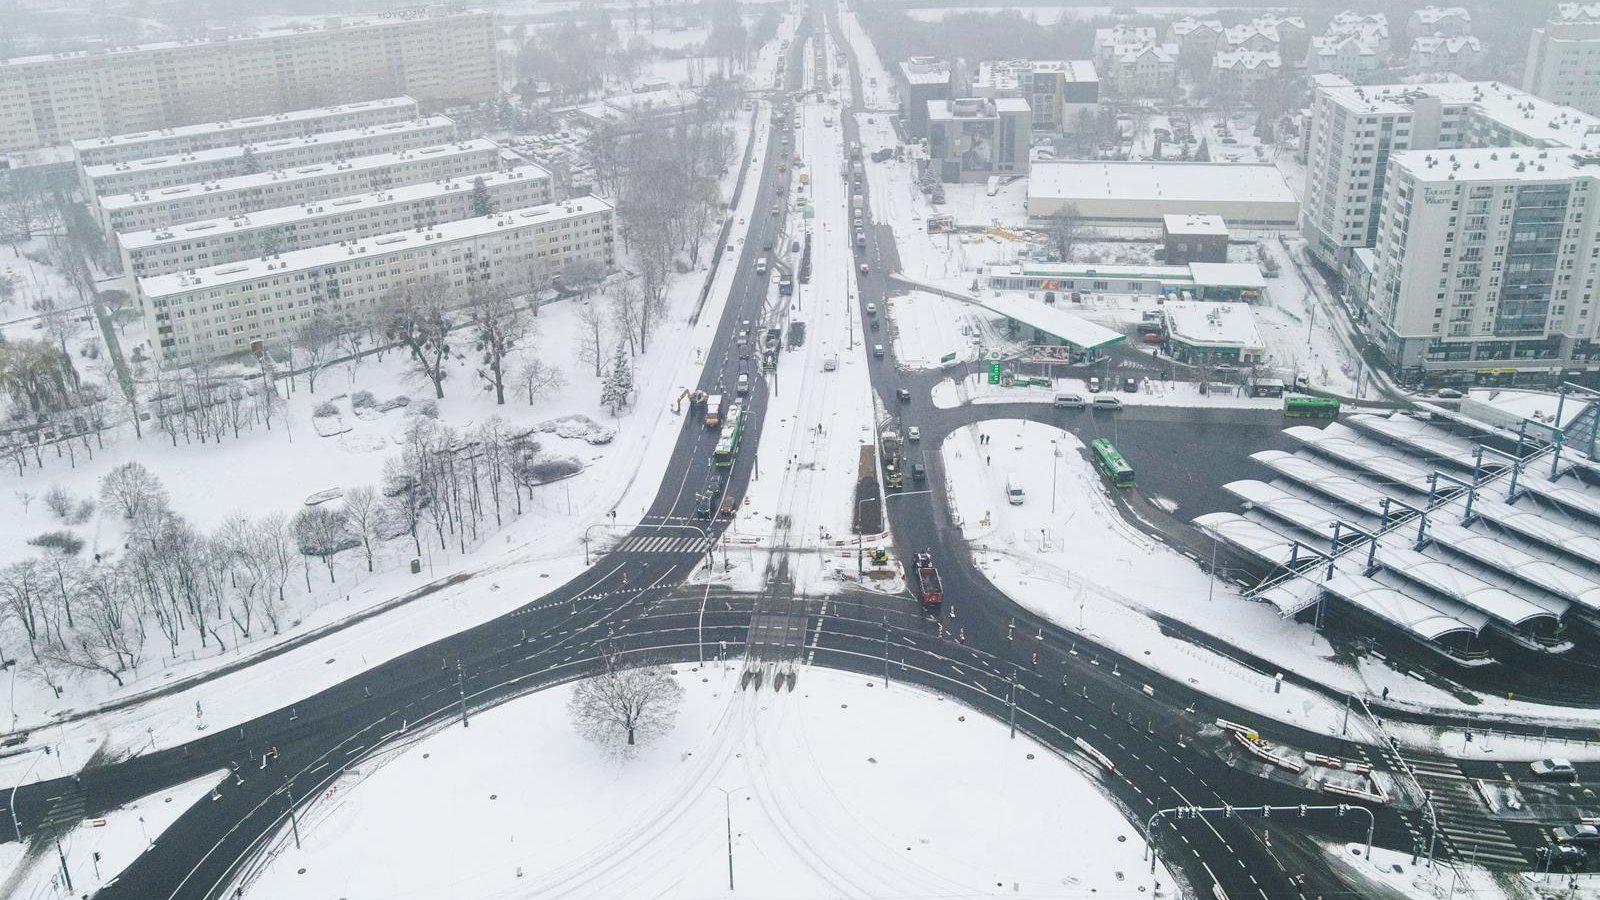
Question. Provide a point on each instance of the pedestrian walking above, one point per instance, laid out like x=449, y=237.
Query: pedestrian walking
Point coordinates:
x=1385, y=692
x=988, y=460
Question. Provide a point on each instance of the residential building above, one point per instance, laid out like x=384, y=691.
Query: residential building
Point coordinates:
x=1445, y=21
x=1132, y=62
x=919, y=81
x=1250, y=37
x=1193, y=238
x=1110, y=43
x=214, y=242
x=1243, y=73
x=1294, y=39
x=439, y=55
x=283, y=153
x=1138, y=194
x=972, y=138
x=1355, y=128
x=1561, y=63
x=1485, y=264
x=223, y=310
x=243, y=194
x=100, y=151
x=1371, y=28
x=1057, y=91
x=1197, y=39
x=1345, y=55
x=1445, y=54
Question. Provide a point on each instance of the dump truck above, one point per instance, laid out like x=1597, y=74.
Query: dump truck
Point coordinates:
x=928, y=584
x=714, y=411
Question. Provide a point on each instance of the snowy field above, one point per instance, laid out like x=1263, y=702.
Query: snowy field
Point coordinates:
x=840, y=788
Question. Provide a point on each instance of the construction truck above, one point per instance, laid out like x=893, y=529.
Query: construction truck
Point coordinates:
x=890, y=454
x=714, y=411
x=928, y=584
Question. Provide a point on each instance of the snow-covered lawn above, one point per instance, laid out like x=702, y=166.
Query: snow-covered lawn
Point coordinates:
x=840, y=788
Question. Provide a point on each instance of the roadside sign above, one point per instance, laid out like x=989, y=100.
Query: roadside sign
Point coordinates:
x=994, y=373
x=948, y=358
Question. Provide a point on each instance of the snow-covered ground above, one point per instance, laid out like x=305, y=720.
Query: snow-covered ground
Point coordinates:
x=264, y=471
x=839, y=788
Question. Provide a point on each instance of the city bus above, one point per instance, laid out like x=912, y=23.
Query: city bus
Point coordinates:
x=1111, y=463
x=728, y=443
x=1299, y=406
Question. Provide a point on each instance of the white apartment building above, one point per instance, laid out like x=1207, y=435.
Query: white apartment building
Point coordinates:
x=284, y=153
x=1444, y=54
x=1243, y=73
x=1056, y=90
x=1354, y=129
x=1444, y=21
x=265, y=190
x=439, y=54
x=99, y=151
x=1561, y=63
x=223, y=310
x=1486, y=262
x=1344, y=55
x=214, y=242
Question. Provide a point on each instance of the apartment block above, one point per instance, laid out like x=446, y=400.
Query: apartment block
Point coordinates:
x=1445, y=54
x=1354, y=130
x=1443, y=21
x=1243, y=73
x=1485, y=264
x=215, y=242
x=919, y=80
x=1131, y=63
x=243, y=194
x=284, y=153
x=100, y=151
x=223, y=310
x=439, y=54
x=1197, y=39
x=1057, y=91
x=1561, y=62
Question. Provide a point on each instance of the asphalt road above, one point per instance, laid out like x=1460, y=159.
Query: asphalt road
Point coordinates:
x=632, y=600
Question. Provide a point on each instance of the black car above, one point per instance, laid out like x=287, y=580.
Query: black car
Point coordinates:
x=919, y=472
x=904, y=395
x=704, y=501
x=1561, y=857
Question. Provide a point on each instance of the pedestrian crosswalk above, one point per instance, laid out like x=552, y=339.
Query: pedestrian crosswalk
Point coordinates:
x=1465, y=827
x=662, y=544
x=65, y=810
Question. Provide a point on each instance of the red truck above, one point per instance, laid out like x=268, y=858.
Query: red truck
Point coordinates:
x=928, y=581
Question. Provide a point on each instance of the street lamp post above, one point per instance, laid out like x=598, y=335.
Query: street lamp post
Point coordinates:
x=15, y=820
x=1055, y=458
x=727, y=817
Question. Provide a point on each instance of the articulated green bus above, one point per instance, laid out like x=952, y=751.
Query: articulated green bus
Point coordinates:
x=728, y=443
x=1111, y=463
x=1299, y=406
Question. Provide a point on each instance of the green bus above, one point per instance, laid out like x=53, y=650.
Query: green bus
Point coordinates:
x=728, y=443
x=1111, y=463
x=1300, y=406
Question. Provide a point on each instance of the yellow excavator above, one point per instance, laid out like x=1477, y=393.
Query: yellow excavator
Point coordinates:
x=696, y=399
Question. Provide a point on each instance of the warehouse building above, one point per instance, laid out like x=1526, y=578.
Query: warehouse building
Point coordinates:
x=158, y=172
x=1138, y=194
x=214, y=242
x=223, y=310
x=100, y=151
x=265, y=190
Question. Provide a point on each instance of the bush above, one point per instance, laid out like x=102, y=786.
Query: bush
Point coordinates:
x=81, y=512
x=325, y=409
x=429, y=408
x=59, y=501
x=542, y=471
x=64, y=541
x=363, y=400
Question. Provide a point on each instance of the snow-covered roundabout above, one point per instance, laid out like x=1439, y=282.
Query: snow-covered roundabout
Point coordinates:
x=837, y=789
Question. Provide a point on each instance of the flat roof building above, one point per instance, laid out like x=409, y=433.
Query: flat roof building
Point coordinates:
x=282, y=153
x=265, y=190
x=214, y=242
x=98, y=151
x=439, y=54
x=974, y=138
x=1218, y=332
x=1140, y=193
x=223, y=310
x=1560, y=62
x=1194, y=238
x=1057, y=91
x=1059, y=281
x=919, y=81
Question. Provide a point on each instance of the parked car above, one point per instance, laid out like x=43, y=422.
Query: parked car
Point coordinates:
x=1580, y=835
x=1094, y=384
x=1553, y=769
x=1449, y=394
x=1109, y=404
x=863, y=268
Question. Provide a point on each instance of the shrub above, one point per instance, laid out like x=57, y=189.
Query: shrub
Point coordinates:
x=59, y=501
x=325, y=409
x=363, y=400
x=81, y=512
x=64, y=541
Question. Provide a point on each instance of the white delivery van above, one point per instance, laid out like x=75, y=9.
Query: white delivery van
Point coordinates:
x=1014, y=493
x=1070, y=401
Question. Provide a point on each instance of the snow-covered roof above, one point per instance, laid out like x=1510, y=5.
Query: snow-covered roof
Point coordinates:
x=925, y=70
x=1240, y=34
x=1247, y=59
x=267, y=149
x=1077, y=331
x=1575, y=13
x=229, y=125
x=1428, y=619
x=244, y=182
x=1538, y=120
x=1200, y=323
x=1157, y=181
x=1189, y=24
x=212, y=277
x=1432, y=15
x=1509, y=406
x=338, y=206
x=1178, y=223
x=1229, y=275
x=967, y=109
x=1006, y=74
x=1452, y=46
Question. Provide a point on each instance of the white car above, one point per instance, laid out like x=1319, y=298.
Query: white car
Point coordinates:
x=913, y=433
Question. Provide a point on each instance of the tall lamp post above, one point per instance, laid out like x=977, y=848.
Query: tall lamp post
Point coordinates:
x=727, y=817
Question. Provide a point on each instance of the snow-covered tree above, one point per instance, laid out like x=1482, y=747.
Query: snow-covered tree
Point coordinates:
x=621, y=709
x=482, y=203
x=131, y=489
x=617, y=386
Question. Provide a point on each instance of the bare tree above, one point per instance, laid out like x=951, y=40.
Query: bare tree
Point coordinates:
x=627, y=314
x=1062, y=226
x=539, y=380
x=499, y=322
x=363, y=514
x=132, y=489
x=621, y=708
x=322, y=532
x=592, y=337
x=316, y=340
x=417, y=317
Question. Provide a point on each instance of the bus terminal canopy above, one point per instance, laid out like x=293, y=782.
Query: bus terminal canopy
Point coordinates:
x=1064, y=326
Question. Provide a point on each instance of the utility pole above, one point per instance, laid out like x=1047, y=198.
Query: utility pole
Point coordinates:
x=885, y=651
x=461, y=688
x=1011, y=700
x=294, y=821
x=66, y=874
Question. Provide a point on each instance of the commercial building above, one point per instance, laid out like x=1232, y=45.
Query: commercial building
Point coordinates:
x=283, y=153
x=1213, y=332
x=266, y=190
x=972, y=138
x=1443, y=21
x=438, y=54
x=1560, y=66
x=1193, y=238
x=1138, y=194
x=100, y=151
x=1485, y=264
x=214, y=242
x=919, y=81
x=1057, y=91
x=222, y=310
x=1068, y=282
x=1355, y=128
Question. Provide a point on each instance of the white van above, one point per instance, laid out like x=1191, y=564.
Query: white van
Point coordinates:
x=1014, y=493
x=1070, y=401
